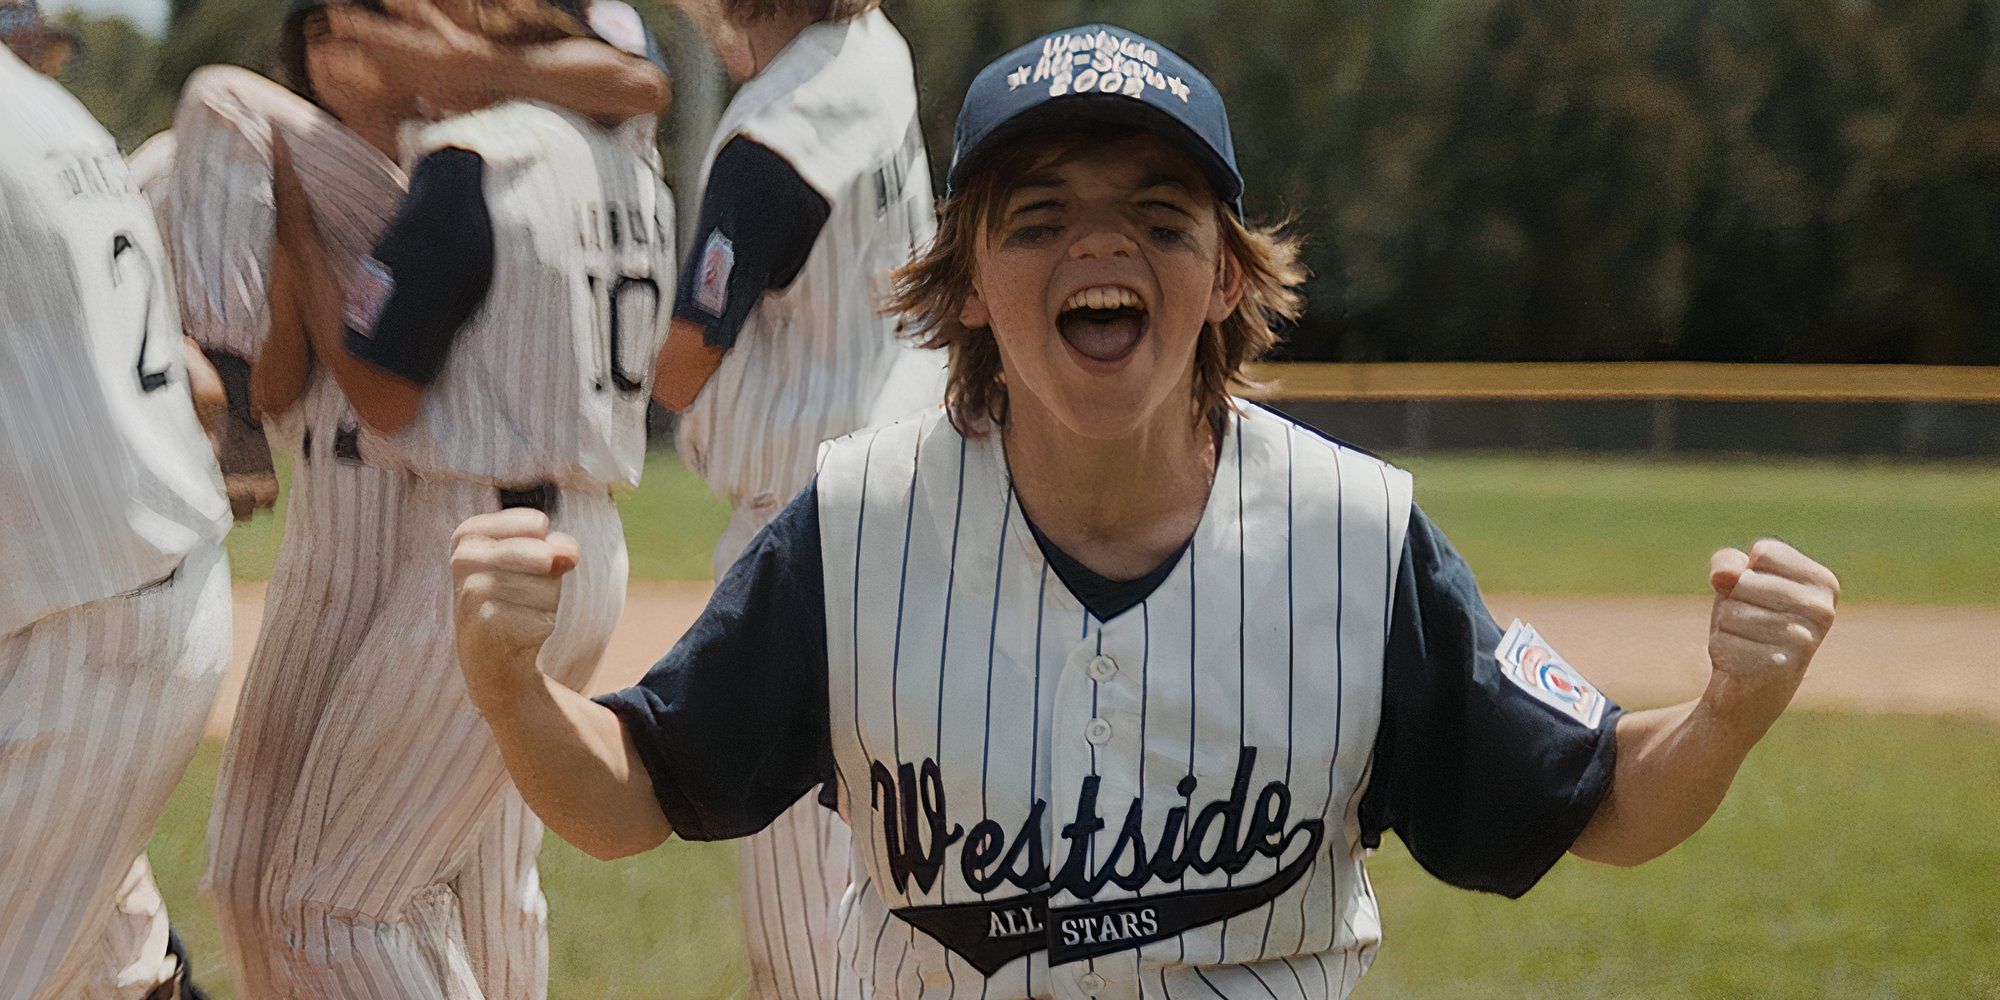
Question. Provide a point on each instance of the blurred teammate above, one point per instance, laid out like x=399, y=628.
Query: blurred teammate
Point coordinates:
x=815, y=187
x=495, y=344
x=352, y=92
x=114, y=617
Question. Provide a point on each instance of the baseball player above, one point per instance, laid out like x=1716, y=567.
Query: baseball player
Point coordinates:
x=496, y=345
x=340, y=542
x=114, y=620
x=815, y=187
x=1117, y=678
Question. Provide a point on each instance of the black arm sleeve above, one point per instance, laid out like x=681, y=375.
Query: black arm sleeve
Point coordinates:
x=435, y=265
x=732, y=722
x=1486, y=785
x=759, y=220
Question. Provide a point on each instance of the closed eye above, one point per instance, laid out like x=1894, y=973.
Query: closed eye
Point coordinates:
x=1031, y=236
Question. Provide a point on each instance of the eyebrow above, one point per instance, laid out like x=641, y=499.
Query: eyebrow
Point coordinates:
x=1163, y=179
x=1034, y=182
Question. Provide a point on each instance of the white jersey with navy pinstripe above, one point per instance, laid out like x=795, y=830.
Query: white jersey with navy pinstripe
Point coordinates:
x=210, y=182
x=550, y=379
x=106, y=479
x=1162, y=804
x=839, y=104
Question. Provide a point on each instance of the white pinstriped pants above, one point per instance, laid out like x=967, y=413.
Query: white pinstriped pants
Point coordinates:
x=101, y=707
x=794, y=871
x=406, y=861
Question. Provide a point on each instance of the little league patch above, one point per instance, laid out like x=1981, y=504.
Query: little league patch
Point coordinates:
x=1529, y=661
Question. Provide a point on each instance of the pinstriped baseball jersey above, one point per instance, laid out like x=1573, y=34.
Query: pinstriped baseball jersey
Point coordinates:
x=106, y=479
x=549, y=380
x=213, y=198
x=1066, y=785
x=1177, y=786
x=839, y=104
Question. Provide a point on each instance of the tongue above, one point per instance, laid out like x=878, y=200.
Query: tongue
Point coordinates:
x=1106, y=339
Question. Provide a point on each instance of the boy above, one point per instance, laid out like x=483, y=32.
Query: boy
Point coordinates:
x=1117, y=677
x=114, y=617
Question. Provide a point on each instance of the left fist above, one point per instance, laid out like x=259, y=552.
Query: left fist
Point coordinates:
x=1773, y=607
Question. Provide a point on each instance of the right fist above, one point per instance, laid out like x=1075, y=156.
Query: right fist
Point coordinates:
x=507, y=571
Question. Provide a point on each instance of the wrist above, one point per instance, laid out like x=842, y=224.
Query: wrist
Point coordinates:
x=507, y=687
x=1743, y=708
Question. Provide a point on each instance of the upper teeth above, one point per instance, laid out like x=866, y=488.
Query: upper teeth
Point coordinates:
x=1105, y=297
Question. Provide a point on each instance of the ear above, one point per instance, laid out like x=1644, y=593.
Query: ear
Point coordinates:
x=1228, y=291
x=973, y=315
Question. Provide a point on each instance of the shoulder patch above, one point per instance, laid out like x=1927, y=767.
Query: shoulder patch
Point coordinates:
x=711, y=286
x=1532, y=664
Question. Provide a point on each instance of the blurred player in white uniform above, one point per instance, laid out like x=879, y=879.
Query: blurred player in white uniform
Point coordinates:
x=496, y=346
x=341, y=540
x=114, y=621
x=815, y=187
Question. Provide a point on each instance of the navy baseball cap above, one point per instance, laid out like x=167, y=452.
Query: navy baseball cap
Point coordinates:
x=1101, y=73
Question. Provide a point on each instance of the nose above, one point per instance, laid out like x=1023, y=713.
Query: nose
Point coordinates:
x=1103, y=243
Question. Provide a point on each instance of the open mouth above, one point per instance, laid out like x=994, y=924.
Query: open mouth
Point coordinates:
x=1103, y=323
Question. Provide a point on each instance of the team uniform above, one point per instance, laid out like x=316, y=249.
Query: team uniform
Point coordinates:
x=815, y=187
x=211, y=185
x=1068, y=786
x=114, y=623
x=525, y=283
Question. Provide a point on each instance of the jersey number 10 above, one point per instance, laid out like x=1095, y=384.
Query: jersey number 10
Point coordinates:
x=614, y=306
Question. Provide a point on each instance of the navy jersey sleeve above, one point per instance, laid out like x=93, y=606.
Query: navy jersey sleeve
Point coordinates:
x=759, y=220
x=429, y=273
x=1486, y=785
x=732, y=722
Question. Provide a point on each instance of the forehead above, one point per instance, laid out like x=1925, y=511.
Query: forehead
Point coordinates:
x=1119, y=164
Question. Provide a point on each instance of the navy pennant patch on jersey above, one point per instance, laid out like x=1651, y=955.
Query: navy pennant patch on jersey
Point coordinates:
x=991, y=933
x=1533, y=665
x=718, y=258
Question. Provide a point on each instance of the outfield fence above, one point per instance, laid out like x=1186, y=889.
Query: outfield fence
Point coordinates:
x=1656, y=407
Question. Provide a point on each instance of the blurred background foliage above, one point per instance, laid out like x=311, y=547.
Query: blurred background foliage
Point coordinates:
x=1716, y=180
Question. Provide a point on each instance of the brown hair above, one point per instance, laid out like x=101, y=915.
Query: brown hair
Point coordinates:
x=818, y=10
x=931, y=289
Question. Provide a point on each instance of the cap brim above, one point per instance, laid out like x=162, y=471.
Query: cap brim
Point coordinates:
x=1104, y=109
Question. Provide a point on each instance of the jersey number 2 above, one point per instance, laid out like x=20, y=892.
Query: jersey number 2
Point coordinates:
x=122, y=247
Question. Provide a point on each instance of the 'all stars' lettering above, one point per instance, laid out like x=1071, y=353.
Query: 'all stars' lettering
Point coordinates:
x=1110, y=928
x=1014, y=923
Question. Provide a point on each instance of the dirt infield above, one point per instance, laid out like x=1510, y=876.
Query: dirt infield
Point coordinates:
x=1642, y=650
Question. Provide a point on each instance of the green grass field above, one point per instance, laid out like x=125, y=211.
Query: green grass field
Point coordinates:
x=1855, y=858
x=1907, y=532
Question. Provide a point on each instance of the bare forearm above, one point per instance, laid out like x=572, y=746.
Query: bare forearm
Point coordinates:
x=569, y=757
x=278, y=376
x=583, y=75
x=1674, y=767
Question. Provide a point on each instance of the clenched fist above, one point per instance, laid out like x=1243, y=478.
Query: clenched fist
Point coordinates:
x=1773, y=608
x=507, y=571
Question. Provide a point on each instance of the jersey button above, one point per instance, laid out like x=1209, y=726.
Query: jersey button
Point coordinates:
x=1097, y=731
x=1090, y=983
x=1103, y=668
